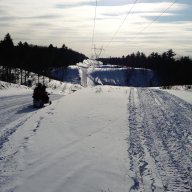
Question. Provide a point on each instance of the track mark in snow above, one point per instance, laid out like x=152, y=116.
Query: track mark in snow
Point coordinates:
x=98, y=90
x=160, y=141
x=4, y=136
x=38, y=123
x=140, y=159
x=51, y=111
x=11, y=155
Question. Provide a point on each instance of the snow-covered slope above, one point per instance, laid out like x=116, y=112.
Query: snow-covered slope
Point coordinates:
x=95, y=73
x=53, y=86
x=69, y=74
x=100, y=139
x=92, y=73
x=12, y=89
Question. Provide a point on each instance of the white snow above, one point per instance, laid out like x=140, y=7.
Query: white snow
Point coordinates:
x=185, y=95
x=7, y=89
x=92, y=73
x=96, y=139
x=77, y=144
x=182, y=92
x=62, y=87
x=53, y=86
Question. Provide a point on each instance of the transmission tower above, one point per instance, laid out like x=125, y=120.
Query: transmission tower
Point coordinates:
x=97, y=51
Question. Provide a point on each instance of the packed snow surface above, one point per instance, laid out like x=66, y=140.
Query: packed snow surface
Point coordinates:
x=183, y=92
x=100, y=139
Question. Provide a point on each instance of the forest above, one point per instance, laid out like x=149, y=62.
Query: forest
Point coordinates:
x=42, y=60
x=32, y=58
x=171, y=70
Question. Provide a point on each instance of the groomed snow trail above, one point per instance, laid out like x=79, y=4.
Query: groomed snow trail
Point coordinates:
x=100, y=139
x=14, y=107
x=160, y=141
x=77, y=144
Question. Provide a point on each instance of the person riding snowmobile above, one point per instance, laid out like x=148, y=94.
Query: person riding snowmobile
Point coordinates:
x=40, y=96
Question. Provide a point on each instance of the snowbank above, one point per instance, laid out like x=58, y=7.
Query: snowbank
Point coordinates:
x=58, y=87
x=61, y=87
x=69, y=74
x=106, y=76
x=184, y=92
x=92, y=73
x=90, y=63
x=13, y=89
x=53, y=86
x=95, y=73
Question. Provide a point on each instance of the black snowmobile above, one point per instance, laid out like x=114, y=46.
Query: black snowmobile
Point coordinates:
x=40, y=96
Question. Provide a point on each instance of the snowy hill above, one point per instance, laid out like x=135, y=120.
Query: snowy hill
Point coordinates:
x=13, y=89
x=91, y=73
x=53, y=86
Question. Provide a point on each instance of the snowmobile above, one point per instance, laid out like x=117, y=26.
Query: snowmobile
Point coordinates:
x=39, y=102
x=40, y=96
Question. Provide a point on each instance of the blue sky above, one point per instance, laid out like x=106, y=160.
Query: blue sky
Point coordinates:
x=118, y=30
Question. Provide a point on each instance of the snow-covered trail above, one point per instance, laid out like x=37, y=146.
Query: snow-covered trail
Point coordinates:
x=13, y=107
x=78, y=144
x=102, y=139
x=160, y=139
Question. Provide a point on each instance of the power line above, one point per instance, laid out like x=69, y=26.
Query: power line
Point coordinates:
x=98, y=52
x=121, y=24
x=155, y=19
x=94, y=21
x=148, y=25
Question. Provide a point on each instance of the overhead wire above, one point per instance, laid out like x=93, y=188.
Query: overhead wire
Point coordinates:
x=155, y=19
x=94, y=23
x=147, y=26
x=121, y=24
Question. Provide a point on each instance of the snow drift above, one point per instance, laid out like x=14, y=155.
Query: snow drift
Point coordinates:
x=92, y=73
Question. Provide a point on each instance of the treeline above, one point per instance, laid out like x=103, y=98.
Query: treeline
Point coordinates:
x=171, y=71
x=33, y=58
